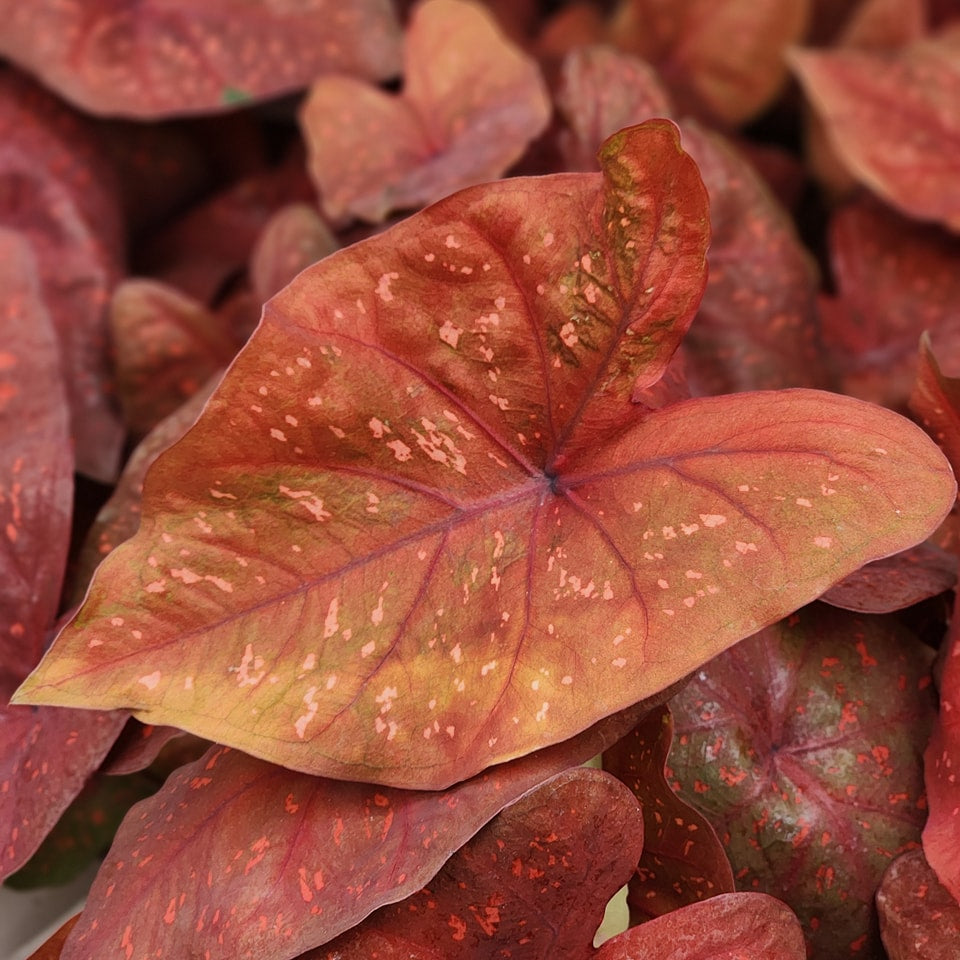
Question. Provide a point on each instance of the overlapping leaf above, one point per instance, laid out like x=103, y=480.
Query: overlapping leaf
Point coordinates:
x=802, y=746
x=235, y=856
x=894, y=120
x=150, y=59
x=683, y=860
x=471, y=103
x=421, y=528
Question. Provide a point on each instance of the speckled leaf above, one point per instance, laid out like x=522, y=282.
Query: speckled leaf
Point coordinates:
x=935, y=400
x=420, y=527
x=293, y=238
x=683, y=860
x=895, y=279
x=732, y=926
x=253, y=841
x=534, y=882
x=802, y=746
x=893, y=119
x=367, y=943
x=896, y=582
x=471, y=103
x=941, y=835
x=167, y=346
x=55, y=191
x=160, y=58
x=36, y=463
x=919, y=920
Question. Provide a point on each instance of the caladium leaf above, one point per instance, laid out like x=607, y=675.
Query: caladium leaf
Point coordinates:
x=732, y=926
x=136, y=59
x=935, y=400
x=534, y=882
x=802, y=745
x=894, y=120
x=471, y=103
x=390, y=551
x=55, y=192
x=896, y=582
x=140, y=744
x=895, y=279
x=368, y=943
x=683, y=860
x=253, y=842
x=918, y=917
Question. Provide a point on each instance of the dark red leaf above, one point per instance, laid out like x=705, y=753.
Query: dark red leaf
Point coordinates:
x=471, y=103
x=885, y=24
x=136, y=59
x=896, y=582
x=895, y=279
x=55, y=191
x=683, y=860
x=256, y=855
x=918, y=917
x=427, y=529
x=732, y=926
x=366, y=943
x=802, y=746
x=935, y=400
x=36, y=466
x=534, y=882
x=139, y=746
x=893, y=119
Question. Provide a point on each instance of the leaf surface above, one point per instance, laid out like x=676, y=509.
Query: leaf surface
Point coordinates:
x=683, y=860
x=471, y=103
x=731, y=926
x=157, y=59
x=230, y=843
x=894, y=120
x=422, y=528
x=801, y=745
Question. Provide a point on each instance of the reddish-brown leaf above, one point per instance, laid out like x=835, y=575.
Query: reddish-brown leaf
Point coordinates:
x=683, y=860
x=732, y=926
x=55, y=191
x=896, y=582
x=52, y=949
x=919, y=920
x=426, y=529
x=941, y=835
x=885, y=24
x=534, y=882
x=139, y=745
x=802, y=746
x=895, y=279
x=935, y=401
x=471, y=103
x=367, y=943
x=152, y=59
x=893, y=119
x=168, y=346
x=36, y=463
x=249, y=843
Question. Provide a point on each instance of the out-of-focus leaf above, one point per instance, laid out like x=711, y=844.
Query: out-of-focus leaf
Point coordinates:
x=885, y=24
x=896, y=582
x=471, y=103
x=894, y=120
x=731, y=926
x=293, y=238
x=683, y=860
x=919, y=920
x=802, y=746
x=55, y=191
x=161, y=58
x=230, y=839
x=426, y=527
x=534, y=882
x=935, y=400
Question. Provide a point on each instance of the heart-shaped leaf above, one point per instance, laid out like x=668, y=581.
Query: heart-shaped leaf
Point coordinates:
x=471, y=103
x=137, y=59
x=683, y=860
x=421, y=527
x=802, y=746
x=229, y=836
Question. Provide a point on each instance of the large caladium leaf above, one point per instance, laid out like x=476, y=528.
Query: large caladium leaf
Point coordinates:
x=138, y=59
x=421, y=528
x=319, y=854
x=802, y=746
x=471, y=103
x=893, y=119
